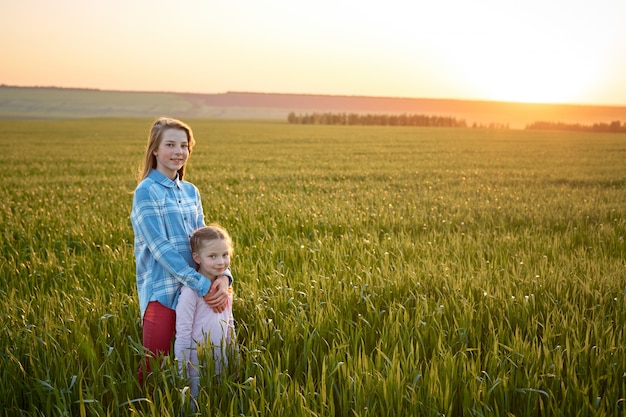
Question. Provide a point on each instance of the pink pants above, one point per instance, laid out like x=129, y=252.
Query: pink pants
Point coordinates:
x=159, y=327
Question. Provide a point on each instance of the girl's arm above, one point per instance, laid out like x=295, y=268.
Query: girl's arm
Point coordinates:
x=184, y=343
x=217, y=297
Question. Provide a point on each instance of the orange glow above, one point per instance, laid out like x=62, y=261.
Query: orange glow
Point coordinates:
x=532, y=51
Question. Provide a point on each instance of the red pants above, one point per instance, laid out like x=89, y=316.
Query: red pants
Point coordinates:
x=159, y=327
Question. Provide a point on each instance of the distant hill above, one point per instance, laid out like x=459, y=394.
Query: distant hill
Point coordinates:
x=54, y=103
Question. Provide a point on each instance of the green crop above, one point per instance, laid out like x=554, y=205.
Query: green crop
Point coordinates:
x=379, y=271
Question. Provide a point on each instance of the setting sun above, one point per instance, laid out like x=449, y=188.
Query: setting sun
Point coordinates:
x=548, y=54
x=512, y=72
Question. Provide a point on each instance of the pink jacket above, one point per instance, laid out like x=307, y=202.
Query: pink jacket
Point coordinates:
x=197, y=323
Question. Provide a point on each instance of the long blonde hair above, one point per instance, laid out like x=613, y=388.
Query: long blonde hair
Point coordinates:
x=154, y=141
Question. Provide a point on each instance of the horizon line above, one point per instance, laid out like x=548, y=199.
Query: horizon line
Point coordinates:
x=51, y=87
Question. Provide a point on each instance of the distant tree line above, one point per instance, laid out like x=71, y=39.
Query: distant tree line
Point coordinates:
x=490, y=126
x=423, y=120
x=354, y=119
x=613, y=127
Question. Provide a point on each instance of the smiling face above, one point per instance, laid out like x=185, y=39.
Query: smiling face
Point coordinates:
x=213, y=258
x=172, y=153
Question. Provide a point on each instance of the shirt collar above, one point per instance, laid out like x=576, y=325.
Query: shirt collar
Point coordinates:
x=163, y=180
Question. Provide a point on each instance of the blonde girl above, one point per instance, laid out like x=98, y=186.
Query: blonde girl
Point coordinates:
x=166, y=210
x=197, y=325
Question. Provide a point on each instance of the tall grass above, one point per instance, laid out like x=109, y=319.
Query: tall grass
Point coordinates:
x=379, y=271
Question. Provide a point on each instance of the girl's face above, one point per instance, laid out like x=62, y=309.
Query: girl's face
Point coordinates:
x=213, y=258
x=172, y=153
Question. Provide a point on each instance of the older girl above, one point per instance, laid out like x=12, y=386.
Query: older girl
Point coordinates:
x=165, y=212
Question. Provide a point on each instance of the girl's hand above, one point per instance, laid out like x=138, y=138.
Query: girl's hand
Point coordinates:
x=217, y=297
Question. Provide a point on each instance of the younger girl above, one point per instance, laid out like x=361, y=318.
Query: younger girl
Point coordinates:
x=166, y=210
x=197, y=325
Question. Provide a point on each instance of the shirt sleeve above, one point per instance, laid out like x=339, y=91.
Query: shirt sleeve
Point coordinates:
x=185, y=311
x=201, y=223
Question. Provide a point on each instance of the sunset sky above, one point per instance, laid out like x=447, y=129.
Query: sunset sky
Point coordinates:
x=564, y=51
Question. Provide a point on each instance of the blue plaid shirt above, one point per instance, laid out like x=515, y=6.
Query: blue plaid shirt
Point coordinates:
x=165, y=212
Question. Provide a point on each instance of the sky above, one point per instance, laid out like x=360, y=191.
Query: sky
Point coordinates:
x=553, y=51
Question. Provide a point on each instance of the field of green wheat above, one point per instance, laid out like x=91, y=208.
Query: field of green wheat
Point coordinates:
x=378, y=271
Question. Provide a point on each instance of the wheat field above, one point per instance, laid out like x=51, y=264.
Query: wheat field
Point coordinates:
x=378, y=271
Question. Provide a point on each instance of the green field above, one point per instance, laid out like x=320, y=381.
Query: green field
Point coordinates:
x=379, y=271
